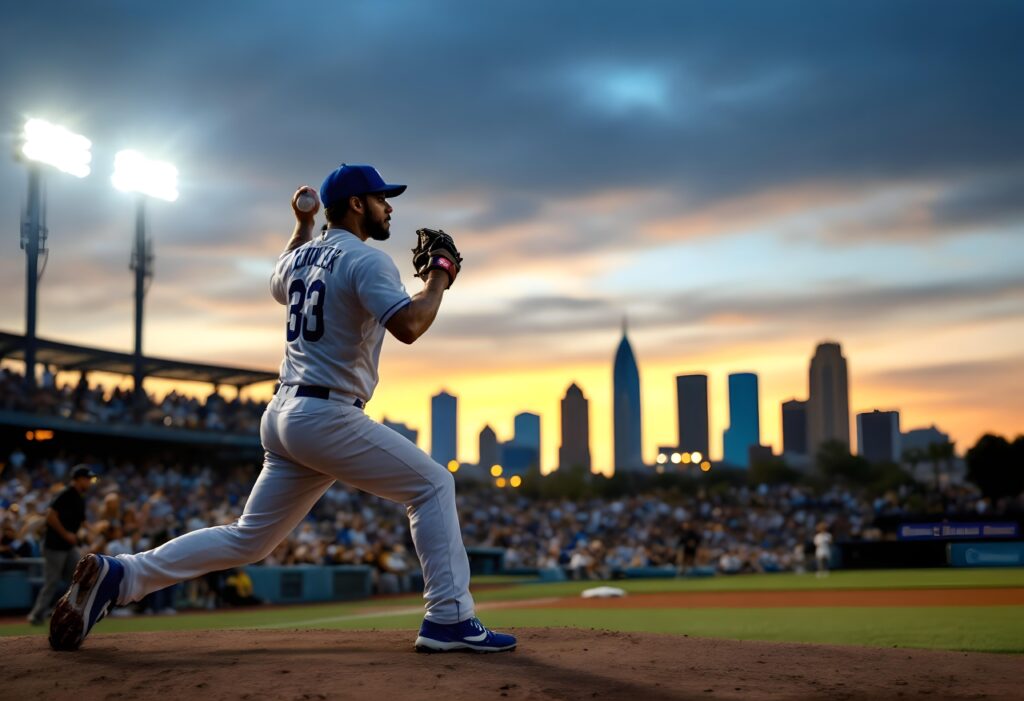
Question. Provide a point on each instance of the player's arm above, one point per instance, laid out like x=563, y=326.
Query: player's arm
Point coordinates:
x=415, y=318
x=304, y=220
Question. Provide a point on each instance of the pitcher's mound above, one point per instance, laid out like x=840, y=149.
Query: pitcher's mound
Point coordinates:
x=549, y=664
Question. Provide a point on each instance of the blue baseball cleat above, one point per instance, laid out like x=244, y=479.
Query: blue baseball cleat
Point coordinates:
x=94, y=589
x=467, y=635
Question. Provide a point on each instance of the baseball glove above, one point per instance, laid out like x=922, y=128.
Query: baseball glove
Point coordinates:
x=436, y=250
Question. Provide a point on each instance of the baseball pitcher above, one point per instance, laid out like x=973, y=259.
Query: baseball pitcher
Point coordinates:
x=340, y=295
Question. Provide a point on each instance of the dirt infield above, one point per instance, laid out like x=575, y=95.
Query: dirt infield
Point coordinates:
x=549, y=664
x=1010, y=596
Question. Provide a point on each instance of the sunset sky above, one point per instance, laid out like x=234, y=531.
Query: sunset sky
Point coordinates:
x=742, y=180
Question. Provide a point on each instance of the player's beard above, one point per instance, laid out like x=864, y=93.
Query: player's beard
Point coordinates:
x=376, y=229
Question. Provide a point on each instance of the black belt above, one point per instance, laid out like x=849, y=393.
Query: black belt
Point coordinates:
x=318, y=392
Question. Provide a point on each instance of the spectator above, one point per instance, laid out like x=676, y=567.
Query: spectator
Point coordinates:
x=238, y=589
x=11, y=546
x=64, y=518
x=822, y=549
x=689, y=543
x=394, y=565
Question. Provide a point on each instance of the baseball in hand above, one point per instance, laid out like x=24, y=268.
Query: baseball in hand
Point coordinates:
x=305, y=202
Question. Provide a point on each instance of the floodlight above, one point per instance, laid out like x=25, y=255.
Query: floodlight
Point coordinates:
x=133, y=172
x=496, y=470
x=56, y=146
x=696, y=456
x=676, y=457
x=515, y=480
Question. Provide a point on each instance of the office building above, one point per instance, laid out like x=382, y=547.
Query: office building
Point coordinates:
x=828, y=403
x=794, y=427
x=490, y=450
x=744, y=419
x=444, y=428
x=526, y=436
x=878, y=436
x=692, y=413
x=575, y=448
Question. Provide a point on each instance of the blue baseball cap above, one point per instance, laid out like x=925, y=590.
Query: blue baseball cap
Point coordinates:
x=348, y=180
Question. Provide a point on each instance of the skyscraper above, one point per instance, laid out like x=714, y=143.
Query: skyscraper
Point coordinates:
x=490, y=452
x=692, y=413
x=878, y=436
x=794, y=429
x=526, y=427
x=444, y=427
x=575, y=448
x=626, y=429
x=828, y=403
x=744, y=419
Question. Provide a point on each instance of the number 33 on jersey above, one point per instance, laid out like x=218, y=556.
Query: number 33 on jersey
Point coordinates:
x=339, y=293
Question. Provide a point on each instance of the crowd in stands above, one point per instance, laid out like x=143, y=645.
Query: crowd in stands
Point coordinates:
x=92, y=403
x=746, y=529
x=135, y=506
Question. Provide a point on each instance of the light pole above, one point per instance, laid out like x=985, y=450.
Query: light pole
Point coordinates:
x=43, y=142
x=142, y=265
x=133, y=172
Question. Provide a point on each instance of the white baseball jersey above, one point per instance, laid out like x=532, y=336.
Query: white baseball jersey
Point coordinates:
x=823, y=544
x=340, y=293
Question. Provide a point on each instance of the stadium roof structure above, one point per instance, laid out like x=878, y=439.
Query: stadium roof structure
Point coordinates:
x=67, y=356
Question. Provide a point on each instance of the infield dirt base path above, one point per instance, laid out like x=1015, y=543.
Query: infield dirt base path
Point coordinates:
x=1008, y=596
x=549, y=664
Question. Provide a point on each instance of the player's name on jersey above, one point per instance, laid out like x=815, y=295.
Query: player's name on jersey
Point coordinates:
x=320, y=256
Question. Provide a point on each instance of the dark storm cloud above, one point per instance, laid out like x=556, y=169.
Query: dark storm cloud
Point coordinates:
x=517, y=102
x=714, y=311
x=977, y=373
x=991, y=200
x=848, y=302
x=258, y=97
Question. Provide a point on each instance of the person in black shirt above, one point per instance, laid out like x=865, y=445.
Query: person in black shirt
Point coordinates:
x=686, y=551
x=60, y=547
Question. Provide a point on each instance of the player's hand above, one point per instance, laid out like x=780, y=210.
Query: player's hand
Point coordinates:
x=435, y=250
x=309, y=214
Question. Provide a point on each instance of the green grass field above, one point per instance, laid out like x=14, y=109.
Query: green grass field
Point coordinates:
x=976, y=628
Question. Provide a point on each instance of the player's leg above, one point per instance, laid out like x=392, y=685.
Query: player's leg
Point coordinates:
x=347, y=445
x=282, y=496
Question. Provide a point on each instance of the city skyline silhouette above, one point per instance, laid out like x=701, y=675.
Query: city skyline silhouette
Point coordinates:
x=741, y=194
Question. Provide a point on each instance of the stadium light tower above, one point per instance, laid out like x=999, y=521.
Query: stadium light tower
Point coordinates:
x=133, y=172
x=49, y=144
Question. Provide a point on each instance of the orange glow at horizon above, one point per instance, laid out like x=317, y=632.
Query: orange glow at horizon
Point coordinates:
x=490, y=398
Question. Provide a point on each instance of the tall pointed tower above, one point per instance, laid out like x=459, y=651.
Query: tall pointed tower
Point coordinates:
x=627, y=429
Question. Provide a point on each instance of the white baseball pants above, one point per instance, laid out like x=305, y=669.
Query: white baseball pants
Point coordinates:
x=309, y=444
